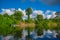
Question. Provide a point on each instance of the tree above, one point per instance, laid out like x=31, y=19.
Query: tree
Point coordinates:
x=18, y=15
x=39, y=17
x=5, y=15
x=28, y=12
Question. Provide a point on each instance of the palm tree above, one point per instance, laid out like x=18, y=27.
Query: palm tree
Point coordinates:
x=28, y=12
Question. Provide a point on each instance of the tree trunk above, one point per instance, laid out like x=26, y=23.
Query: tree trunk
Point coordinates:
x=28, y=18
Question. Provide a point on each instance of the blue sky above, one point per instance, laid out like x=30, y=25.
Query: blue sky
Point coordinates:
x=23, y=4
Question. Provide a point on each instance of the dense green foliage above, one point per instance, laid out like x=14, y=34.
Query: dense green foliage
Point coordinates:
x=7, y=22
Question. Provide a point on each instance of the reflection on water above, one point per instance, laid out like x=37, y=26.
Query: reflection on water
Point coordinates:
x=50, y=34
x=47, y=34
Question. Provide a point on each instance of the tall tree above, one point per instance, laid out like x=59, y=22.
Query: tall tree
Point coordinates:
x=28, y=12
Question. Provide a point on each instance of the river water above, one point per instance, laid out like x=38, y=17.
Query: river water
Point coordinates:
x=47, y=35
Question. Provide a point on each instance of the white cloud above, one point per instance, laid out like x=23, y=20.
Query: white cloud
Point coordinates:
x=8, y=11
x=53, y=14
x=44, y=16
x=25, y=17
x=12, y=9
x=47, y=12
x=49, y=16
x=19, y=9
x=39, y=12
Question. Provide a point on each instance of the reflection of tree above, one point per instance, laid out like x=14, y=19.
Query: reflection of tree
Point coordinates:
x=58, y=34
x=18, y=33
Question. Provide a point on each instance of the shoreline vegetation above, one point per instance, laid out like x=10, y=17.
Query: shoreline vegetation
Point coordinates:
x=14, y=24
